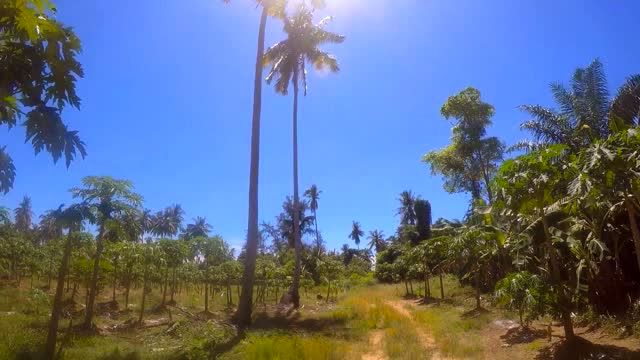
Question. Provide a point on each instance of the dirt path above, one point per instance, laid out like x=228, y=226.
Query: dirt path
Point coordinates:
x=375, y=343
x=426, y=339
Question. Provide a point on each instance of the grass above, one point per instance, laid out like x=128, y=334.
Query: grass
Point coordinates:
x=293, y=347
x=455, y=336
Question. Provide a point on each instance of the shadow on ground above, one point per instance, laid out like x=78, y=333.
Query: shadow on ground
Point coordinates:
x=583, y=349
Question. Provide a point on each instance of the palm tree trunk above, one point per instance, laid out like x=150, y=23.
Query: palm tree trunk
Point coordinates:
x=315, y=223
x=93, y=290
x=565, y=314
x=50, y=347
x=294, y=296
x=164, y=288
x=243, y=315
x=441, y=287
x=635, y=232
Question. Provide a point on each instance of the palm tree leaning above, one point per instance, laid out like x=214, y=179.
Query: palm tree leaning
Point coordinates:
x=313, y=194
x=288, y=59
x=356, y=233
x=243, y=315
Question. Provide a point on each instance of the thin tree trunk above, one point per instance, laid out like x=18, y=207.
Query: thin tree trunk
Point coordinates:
x=635, y=232
x=555, y=277
x=243, y=315
x=115, y=281
x=93, y=289
x=173, y=284
x=441, y=287
x=144, y=292
x=328, y=290
x=126, y=294
x=206, y=296
x=315, y=223
x=50, y=347
x=478, y=304
x=164, y=288
x=294, y=296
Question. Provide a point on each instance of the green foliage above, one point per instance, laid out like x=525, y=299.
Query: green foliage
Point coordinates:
x=523, y=292
x=40, y=73
x=471, y=158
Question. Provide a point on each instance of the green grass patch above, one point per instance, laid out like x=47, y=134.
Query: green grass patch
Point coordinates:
x=454, y=335
x=289, y=347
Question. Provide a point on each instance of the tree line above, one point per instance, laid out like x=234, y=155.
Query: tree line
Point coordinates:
x=553, y=229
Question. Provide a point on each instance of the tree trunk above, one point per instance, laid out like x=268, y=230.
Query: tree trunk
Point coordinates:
x=115, y=281
x=126, y=294
x=565, y=314
x=294, y=296
x=144, y=292
x=441, y=287
x=635, y=232
x=93, y=289
x=173, y=284
x=206, y=296
x=243, y=315
x=50, y=347
x=315, y=223
x=328, y=291
x=164, y=288
x=478, y=304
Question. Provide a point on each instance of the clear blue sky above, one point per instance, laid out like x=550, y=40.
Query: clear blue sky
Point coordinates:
x=168, y=90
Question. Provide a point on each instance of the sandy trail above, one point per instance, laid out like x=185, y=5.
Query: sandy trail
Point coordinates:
x=425, y=338
x=375, y=343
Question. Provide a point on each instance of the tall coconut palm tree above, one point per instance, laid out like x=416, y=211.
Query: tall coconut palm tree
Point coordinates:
x=23, y=215
x=109, y=198
x=356, y=233
x=288, y=59
x=376, y=240
x=243, y=315
x=407, y=208
x=313, y=195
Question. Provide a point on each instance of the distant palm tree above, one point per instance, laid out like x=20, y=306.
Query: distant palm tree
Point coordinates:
x=407, y=208
x=199, y=228
x=146, y=220
x=376, y=240
x=356, y=233
x=24, y=215
x=288, y=59
x=168, y=222
x=313, y=195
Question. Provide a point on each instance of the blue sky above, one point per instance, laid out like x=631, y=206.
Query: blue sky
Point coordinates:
x=168, y=90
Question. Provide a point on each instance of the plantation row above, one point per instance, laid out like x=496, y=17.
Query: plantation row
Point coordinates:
x=135, y=248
